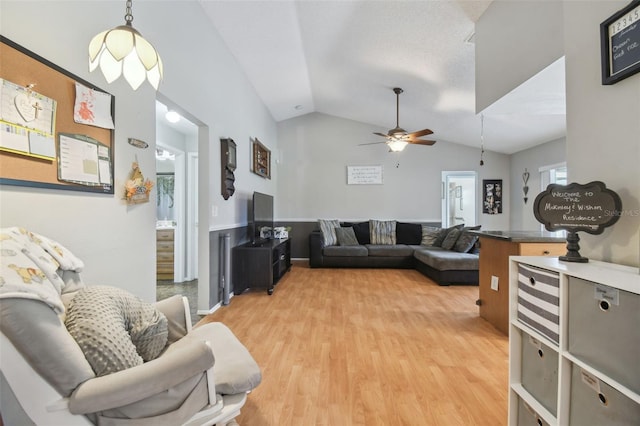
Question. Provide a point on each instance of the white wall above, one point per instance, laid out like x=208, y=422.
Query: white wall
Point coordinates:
x=116, y=241
x=554, y=152
x=603, y=130
x=317, y=148
x=515, y=39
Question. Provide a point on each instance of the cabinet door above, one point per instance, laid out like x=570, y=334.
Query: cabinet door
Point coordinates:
x=494, y=262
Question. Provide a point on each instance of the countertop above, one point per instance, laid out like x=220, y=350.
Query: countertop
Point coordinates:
x=522, y=236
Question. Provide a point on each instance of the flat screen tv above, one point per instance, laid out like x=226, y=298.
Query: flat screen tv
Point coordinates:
x=262, y=216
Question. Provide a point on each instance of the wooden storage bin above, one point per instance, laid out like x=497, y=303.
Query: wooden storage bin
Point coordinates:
x=540, y=372
x=597, y=403
x=604, y=330
x=538, y=300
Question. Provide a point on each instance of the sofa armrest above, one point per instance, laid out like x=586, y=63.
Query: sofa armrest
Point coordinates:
x=178, y=316
x=140, y=382
x=316, y=244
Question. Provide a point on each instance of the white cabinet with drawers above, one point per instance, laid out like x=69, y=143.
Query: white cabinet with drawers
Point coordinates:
x=574, y=343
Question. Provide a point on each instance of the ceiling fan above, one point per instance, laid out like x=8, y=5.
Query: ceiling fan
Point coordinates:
x=398, y=138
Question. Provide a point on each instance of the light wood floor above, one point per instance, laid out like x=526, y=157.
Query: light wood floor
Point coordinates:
x=342, y=347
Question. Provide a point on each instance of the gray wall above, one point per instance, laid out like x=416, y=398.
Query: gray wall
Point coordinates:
x=603, y=130
x=312, y=182
x=117, y=241
x=602, y=121
x=532, y=159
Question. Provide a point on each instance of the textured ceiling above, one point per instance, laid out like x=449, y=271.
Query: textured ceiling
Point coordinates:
x=344, y=57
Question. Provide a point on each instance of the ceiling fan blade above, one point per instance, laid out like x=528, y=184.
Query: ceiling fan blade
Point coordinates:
x=380, y=134
x=419, y=133
x=371, y=143
x=421, y=142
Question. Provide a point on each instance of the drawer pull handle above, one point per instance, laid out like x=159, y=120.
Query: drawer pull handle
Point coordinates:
x=604, y=305
x=603, y=399
x=540, y=353
x=532, y=280
x=546, y=252
x=282, y=257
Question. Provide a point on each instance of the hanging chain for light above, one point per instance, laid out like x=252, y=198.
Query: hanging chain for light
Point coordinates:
x=481, y=139
x=128, y=17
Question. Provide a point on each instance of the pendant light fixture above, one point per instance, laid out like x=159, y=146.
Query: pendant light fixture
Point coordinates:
x=123, y=51
x=482, y=139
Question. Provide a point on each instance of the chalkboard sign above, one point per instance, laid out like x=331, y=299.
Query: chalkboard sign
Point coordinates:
x=620, y=44
x=589, y=208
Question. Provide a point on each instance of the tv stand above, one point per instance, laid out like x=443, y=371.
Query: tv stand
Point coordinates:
x=260, y=264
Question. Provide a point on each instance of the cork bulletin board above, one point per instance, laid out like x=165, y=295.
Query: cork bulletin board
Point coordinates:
x=71, y=155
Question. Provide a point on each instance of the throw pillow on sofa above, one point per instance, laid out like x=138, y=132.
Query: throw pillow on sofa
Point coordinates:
x=328, y=229
x=429, y=235
x=408, y=233
x=451, y=238
x=443, y=234
x=382, y=231
x=346, y=237
x=466, y=240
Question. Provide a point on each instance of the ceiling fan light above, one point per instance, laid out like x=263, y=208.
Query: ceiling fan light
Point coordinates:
x=397, y=145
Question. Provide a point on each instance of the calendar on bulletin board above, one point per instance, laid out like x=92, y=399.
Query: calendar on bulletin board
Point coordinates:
x=56, y=129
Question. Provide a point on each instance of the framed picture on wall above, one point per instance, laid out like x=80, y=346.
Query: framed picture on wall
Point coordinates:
x=261, y=159
x=492, y=196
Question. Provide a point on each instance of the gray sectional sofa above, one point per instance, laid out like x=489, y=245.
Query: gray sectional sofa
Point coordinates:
x=415, y=246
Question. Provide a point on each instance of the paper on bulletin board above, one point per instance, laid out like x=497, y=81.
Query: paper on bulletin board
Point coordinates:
x=92, y=107
x=27, y=121
x=83, y=160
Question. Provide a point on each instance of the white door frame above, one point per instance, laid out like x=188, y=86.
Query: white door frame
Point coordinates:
x=192, y=217
x=179, y=208
x=446, y=177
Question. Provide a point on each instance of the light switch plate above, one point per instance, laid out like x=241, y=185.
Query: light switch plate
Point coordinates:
x=494, y=283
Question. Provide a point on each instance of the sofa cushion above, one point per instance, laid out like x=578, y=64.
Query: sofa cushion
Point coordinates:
x=429, y=235
x=408, y=233
x=386, y=250
x=115, y=329
x=328, y=229
x=342, y=251
x=447, y=260
x=382, y=231
x=451, y=238
x=235, y=370
x=40, y=336
x=466, y=240
x=346, y=236
x=362, y=232
x=443, y=234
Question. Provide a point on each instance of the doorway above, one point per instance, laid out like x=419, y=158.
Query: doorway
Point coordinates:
x=459, y=198
x=176, y=166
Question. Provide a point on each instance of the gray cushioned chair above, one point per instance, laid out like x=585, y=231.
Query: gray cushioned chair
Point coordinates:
x=201, y=378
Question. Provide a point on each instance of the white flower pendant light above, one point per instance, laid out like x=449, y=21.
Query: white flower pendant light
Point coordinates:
x=123, y=51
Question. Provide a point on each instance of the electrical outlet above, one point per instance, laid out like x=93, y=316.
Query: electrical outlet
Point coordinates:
x=494, y=283
x=214, y=211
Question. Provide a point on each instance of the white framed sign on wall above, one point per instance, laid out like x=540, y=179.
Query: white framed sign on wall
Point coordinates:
x=364, y=175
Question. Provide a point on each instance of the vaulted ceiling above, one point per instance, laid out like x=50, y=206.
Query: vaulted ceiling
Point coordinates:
x=344, y=57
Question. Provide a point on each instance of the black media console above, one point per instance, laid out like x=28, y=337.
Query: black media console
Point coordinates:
x=260, y=265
